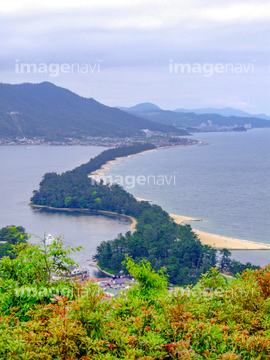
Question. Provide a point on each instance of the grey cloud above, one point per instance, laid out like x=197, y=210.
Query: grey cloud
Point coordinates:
x=135, y=58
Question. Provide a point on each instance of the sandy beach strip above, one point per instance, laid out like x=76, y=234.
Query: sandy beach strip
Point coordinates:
x=141, y=199
x=107, y=165
x=181, y=220
x=218, y=241
x=132, y=227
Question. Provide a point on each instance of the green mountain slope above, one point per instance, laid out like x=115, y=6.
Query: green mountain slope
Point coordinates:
x=46, y=110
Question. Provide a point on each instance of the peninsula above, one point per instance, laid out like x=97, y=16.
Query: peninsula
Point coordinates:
x=157, y=237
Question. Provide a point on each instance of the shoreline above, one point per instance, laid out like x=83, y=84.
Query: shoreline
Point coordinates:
x=220, y=241
x=214, y=240
x=132, y=226
x=113, y=162
x=93, y=264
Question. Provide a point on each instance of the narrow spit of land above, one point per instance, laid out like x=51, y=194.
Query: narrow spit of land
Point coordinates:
x=106, y=166
x=214, y=240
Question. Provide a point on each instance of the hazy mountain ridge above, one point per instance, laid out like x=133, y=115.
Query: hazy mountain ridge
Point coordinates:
x=187, y=118
x=227, y=112
x=47, y=110
x=140, y=107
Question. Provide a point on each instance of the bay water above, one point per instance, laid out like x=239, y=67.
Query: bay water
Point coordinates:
x=21, y=171
x=224, y=181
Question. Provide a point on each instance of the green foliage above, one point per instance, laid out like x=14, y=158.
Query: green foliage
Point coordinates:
x=225, y=259
x=164, y=244
x=67, y=200
x=230, y=322
x=26, y=279
x=48, y=260
x=236, y=267
x=11, y=235
x=212, y=279
x=151, y=284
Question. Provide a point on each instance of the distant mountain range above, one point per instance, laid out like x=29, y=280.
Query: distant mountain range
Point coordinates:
x=194, y=118
x=141, y=107
x=228, y=111
x=46, y=110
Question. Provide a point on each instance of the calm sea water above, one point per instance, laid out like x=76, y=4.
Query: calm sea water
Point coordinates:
x=225, y=183
x=20, y=173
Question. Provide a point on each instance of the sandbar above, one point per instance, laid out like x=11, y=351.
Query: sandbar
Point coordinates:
x=216, y=241
x=219, y=241
x=107, y=165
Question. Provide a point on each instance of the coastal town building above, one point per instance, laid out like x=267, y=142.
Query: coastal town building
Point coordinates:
x=113, y=286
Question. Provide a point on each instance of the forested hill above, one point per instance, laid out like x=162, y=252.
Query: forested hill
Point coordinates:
x=46, y=110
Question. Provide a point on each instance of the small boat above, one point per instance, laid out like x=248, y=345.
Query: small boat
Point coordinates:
x=49, y=239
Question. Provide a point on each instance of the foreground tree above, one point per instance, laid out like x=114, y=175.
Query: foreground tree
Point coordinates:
x=25, y=279
x=10, y=235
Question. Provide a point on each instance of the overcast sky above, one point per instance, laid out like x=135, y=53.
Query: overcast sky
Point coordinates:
x=133, y=48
